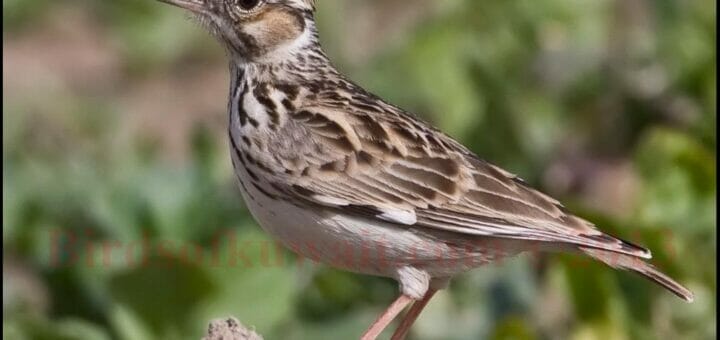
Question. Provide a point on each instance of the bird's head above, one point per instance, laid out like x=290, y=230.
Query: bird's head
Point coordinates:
x=256, y=31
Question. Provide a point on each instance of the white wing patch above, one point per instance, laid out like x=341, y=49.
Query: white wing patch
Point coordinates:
x=399, y=216
x=406, y=217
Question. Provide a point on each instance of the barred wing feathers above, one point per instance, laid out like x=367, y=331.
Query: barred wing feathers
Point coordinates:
x=398, y=169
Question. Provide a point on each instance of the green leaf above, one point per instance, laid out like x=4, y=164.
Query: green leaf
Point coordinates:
x=163, y=293
x=255, y=283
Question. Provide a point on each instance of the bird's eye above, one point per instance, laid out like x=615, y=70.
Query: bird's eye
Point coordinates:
x=248, y=4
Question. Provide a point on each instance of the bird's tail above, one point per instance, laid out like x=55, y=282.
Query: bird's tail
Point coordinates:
x=638, y=265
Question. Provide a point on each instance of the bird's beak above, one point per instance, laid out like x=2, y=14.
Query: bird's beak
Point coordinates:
x=195, y=6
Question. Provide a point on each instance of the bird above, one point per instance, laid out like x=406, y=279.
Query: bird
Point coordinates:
x=337, y=174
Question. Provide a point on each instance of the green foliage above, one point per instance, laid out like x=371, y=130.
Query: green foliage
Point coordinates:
x=607, y=91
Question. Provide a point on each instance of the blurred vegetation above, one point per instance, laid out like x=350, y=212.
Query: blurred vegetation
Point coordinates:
x=113, y=120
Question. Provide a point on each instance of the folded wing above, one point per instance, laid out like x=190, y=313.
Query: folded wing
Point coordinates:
x=396, y=169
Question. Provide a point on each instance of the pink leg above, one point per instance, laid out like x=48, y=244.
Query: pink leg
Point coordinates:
x=386, y=317
x=412, y=315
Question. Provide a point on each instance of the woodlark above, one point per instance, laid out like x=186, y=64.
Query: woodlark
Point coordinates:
x=337, y=174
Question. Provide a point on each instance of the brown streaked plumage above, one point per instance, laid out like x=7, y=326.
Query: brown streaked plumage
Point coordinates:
x=322, y=162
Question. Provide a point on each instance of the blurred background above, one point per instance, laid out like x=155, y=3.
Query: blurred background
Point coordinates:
x=114, y=142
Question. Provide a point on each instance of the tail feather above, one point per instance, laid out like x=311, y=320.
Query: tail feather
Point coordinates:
x=635, y=264
x=619, y=246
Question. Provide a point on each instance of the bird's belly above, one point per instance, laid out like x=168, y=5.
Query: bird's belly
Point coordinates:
x=330, y=238
x=360, y=245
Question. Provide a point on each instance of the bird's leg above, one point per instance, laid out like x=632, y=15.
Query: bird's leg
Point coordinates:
x=412, y=315
x=387, y=317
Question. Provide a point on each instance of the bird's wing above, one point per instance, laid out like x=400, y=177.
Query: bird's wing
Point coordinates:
x=396, y=168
